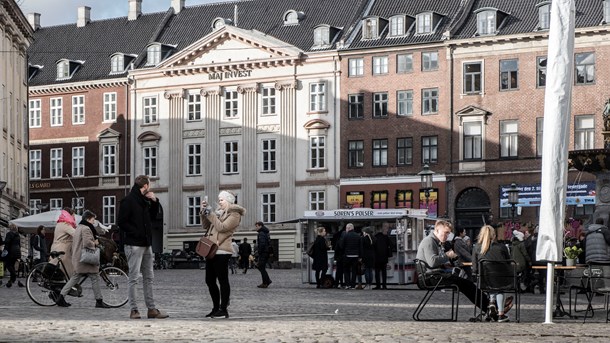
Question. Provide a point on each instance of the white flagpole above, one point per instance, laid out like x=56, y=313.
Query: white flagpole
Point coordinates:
x=557, y=106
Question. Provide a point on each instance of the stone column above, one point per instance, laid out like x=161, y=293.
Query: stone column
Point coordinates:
x=249, y=153
x=174, y=208
x=287, y=152
x=213, y=157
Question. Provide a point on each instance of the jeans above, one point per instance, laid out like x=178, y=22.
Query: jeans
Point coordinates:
x=140, y=259
x=77, y=277
x=217, y=268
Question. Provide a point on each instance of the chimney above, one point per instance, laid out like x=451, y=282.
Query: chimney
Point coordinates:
x=84, y=16
x=135, y=9
x=178, y=5
x=34, y=20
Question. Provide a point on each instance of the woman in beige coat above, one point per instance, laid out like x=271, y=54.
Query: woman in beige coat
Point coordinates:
x=220, y=226
x=62, y=238
x=85, y=236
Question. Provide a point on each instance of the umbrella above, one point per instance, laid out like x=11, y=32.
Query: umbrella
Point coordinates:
x=48, y=219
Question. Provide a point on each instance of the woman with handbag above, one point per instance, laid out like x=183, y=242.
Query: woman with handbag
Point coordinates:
x=84, y=247
x=220, y=226
x=320, y=255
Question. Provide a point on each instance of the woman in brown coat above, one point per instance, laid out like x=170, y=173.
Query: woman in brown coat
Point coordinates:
x=85, y=236
x=62, y=240
x=220, y=226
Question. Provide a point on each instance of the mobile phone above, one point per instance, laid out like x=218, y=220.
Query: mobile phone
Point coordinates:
x=205, y=198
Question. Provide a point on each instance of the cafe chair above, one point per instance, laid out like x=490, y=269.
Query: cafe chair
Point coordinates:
x=498, y=277
x=432, y=280
x=599, y=282
x=580, y=284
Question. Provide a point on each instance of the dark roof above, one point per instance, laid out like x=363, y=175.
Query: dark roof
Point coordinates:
x=523, y=16
x=96, y=41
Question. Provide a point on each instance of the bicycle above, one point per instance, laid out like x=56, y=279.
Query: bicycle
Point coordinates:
x=46, y=280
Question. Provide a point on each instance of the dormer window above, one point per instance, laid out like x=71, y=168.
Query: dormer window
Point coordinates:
x=292, y=17
x=66, y=68
x=424, y=23
x=321, y=35
x=544, y=15
x=489, y=21
x=606, y=11
x=219, y=23
x=397, y=25
x=372, y=26
x=119, y=62
x=156, y=52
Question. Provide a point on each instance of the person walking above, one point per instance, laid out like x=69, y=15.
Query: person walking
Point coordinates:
x=320, y=256
x=38, y=246
x=62, y=238
x=220, y=226
x=245, y=250
x=136, y=213
x=234, y=257
x=85, y=237
x=264, y=243
x=383, y=252
x=12, y=244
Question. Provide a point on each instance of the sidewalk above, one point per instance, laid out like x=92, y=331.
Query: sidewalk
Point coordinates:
x=287, y=311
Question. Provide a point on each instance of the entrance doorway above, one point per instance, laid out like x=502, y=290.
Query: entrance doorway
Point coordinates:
x=472, y=210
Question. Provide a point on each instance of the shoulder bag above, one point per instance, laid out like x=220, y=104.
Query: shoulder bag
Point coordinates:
x=90, y=256
x=206, y=248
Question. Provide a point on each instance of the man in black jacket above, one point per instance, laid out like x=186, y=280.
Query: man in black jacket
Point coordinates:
x=245, y=250
x=138, y=209
x=264, y=243
x=383, y=252
x=352, y=251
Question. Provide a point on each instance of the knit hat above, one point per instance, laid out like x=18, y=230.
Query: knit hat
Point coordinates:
x=519, y=235
x=227, y=196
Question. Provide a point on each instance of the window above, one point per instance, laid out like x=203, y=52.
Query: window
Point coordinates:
x=429, y=101
x=194, y=107
x=35, y=205
x=404, y=63
x=380, y=65
x=379, y=199
x=356, y=66
x=544, y=17
x=153, y=54
x=404, y=151
x=231, y=104
x=539, y=130
x=404, y=101
x=316, y=201
x=472, y=77
x=321, y=36
x=78, y=109
x=35, y=113
x=56, y=204
x=63, y=69
x=317, y=97
x=606, y=11
x=473, y=140
x=268, y=155
x=429, y=61
x=486, y=23
x=355, y=154
x=541, y=71
x=117, y=64
x=380, y=152
x=57, y=112
x=369, y=29
x=429, y=149
x=380, y=105
x=509, y=75
x=78, y=204
x=585, y=68
x=150, y=109
x=108, y=159
x=397, y=25
x=35, y=164
x=193, y=159
x=404, y=199
x=218, y=24
x=292, y=17
x=231, y=155
x=509, y=138
x=268, y=207
x=317, y=149
x=150, y=161
x=584, y=210
x=57, y=162
x=78, y=161
x=109, y=107
x=355, y=104
x=268, y=98
x=109, y=210
x=192, y=214
x=584, y=130
x=424, y=23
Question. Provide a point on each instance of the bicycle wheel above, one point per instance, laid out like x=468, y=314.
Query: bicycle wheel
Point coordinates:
x=114, y=284
x=42, y=285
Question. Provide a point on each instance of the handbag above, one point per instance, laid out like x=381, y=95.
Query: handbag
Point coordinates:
x=4, y=253
x=206, y=248
x=90, y=256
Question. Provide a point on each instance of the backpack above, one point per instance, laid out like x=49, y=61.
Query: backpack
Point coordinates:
x=310, y=250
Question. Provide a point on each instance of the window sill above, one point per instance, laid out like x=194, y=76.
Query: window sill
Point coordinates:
x=149, y=124
x=317, y=112
x=317, y=171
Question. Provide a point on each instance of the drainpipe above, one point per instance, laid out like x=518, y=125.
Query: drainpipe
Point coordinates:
x=337, y=119
x=452, y=123
x=130, y=126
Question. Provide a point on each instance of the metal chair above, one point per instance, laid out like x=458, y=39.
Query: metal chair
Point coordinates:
x=581, y=286
x=498, y=277
x=432, y=280
x=599, y=282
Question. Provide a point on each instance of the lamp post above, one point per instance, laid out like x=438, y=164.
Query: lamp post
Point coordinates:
x=513, y=200
x=426, y=181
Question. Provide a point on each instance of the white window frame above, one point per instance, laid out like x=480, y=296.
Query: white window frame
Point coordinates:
x=231, y=104
x=584, y=64
x=109, y=158
x=150, y=160
x=380, y=65
x=268, y=101
x=109, y=209
x=56, y=165
x=539, y=135
x=150, y=110
x=193, y=159
x=472, y=80
x=153, y=54
x=355, y=103
x=117, y=64
x=269, y=155
x=78, y=161
x=370, y=28
x=193, y=204
x=606, y=11
x=486, y=22
x=194, y=107
x=397, y=26
x=231, y=154
x=34, y=204
x=268, y=207
x=35, y=113
x=355, y=151
x=429, y=60
x=404, y=63
x=317, y=200
x=35, y=164
x=57, y=111
x=430, y=101
x=56, y=204
x=321, y=36
x=380, y=105
x=508, y=73
x=379, y=152
x=63, y=70
x=429, y=149
x=472, y=140
x=424, y=23
x=404, y=151
x=317, y=152
x=356, y=67
x=584, y=132
x=78, y=204
x=509, y=139
x=544, y=16
x=78, y=110
x=317, y=97
x=110, y=106
x=541, y=71
x=404, y=103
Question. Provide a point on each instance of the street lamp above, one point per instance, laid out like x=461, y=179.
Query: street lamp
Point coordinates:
x=426, y=181
x=513, y=200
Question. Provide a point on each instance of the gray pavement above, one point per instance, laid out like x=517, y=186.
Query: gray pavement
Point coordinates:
x=287, y=311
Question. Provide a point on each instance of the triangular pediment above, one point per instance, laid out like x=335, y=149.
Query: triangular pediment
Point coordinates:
x=232, y=48
x=472, y=111
x=108, y=133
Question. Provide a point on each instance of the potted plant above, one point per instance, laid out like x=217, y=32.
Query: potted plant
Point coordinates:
x=571, y=254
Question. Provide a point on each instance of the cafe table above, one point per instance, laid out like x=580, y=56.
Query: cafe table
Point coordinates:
x=559, y=309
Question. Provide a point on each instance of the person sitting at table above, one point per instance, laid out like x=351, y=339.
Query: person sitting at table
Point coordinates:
x=597, y=241
x=489, y=249
x=463, y=251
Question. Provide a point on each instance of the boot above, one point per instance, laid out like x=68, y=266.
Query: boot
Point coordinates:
x=221, y=313
x=99, y=303
x=61, y=302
